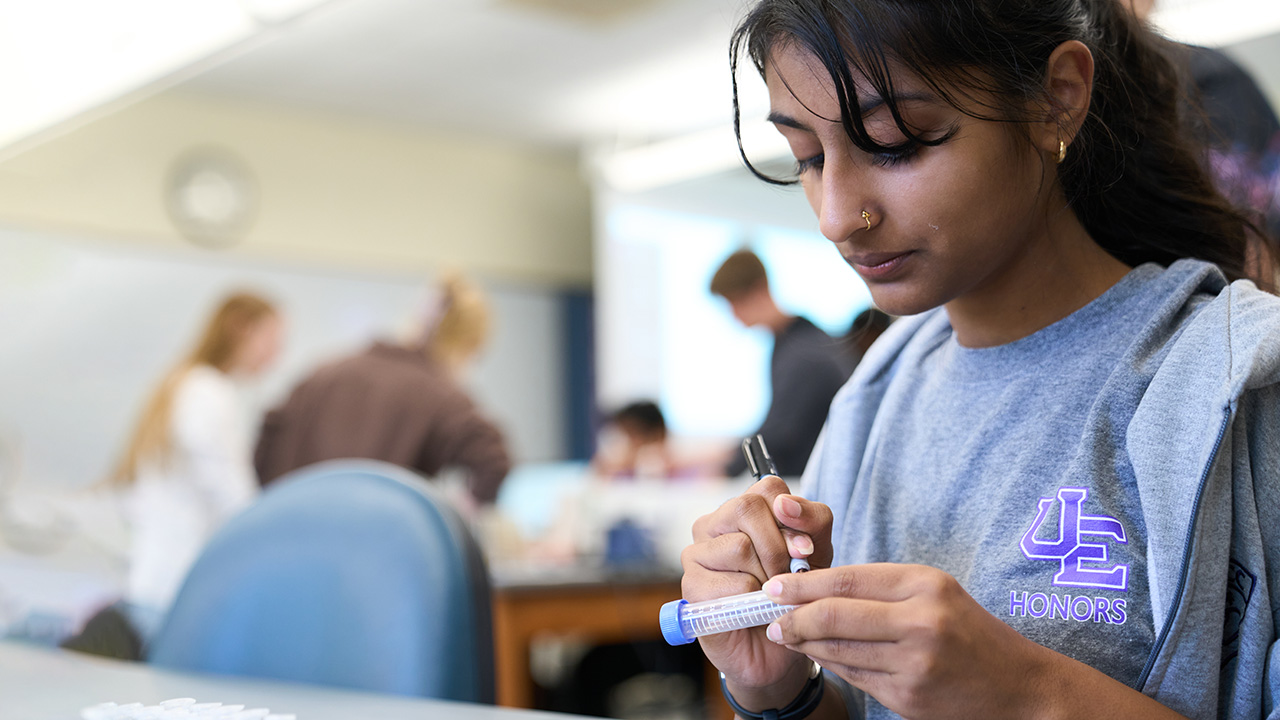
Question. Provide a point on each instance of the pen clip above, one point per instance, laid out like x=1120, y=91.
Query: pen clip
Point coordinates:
x=758, y=459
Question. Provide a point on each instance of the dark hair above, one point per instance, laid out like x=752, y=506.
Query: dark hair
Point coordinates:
x=644, y=415
x=869, y=325
x=739, y=274
x=871, y=320
x=1133, y=174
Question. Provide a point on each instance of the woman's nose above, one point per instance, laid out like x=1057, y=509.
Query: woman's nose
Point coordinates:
x=842, y=203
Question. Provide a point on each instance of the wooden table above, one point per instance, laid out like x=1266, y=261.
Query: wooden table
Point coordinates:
x=583, y=603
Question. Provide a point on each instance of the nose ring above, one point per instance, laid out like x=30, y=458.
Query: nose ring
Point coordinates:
x=867, y=216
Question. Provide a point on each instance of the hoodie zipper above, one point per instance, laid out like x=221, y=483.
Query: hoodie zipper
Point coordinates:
x=1186, y=556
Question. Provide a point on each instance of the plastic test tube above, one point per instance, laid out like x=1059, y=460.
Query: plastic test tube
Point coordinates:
x=683, y=622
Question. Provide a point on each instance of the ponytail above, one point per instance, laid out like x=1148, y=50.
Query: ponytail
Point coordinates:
x=461, y=326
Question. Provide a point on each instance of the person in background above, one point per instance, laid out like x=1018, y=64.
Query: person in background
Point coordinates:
x=187, y=467
x=402, y=404
x=633, y=443
x=805, y=371
x=863, y=331
x=1230, y=115
x=1052, y=489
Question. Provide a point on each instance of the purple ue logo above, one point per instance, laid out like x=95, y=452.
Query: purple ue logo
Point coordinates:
x=1071, y=551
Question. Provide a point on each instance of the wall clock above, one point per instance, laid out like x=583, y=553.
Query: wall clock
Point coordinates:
x=211, y=197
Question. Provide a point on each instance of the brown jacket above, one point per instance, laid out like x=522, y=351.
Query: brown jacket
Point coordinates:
x=388, y=403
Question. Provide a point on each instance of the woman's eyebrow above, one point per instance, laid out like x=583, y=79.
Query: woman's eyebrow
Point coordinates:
x=874, y=103
x=871, y=105
x=778, y=118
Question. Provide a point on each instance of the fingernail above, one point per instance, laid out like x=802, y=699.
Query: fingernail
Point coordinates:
x=788, y=507
x=773, y=588
x=802, y=544
x=774, y=632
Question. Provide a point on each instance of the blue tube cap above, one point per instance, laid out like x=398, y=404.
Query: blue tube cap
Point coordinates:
x=669, y=621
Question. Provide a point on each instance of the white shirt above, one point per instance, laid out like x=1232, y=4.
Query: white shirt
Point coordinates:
x=178, y=504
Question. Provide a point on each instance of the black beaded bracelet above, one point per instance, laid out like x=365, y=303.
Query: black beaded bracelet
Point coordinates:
x=805, y=703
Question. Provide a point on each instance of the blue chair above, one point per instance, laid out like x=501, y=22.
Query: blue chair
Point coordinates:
x=352, y=573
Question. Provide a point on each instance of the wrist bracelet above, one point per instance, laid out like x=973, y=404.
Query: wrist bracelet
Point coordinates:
x=805, y=703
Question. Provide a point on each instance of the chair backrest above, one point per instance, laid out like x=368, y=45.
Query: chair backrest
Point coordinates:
x=351, y=573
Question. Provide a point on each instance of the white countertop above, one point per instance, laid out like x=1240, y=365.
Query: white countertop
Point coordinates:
x=48, y=684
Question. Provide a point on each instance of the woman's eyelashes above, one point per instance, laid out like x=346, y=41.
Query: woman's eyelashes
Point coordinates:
x=813, y=162
x=886, y=157
x=883, y=155
x=896, y=154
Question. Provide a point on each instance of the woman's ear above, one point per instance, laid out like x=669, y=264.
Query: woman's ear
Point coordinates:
x=1068, y=88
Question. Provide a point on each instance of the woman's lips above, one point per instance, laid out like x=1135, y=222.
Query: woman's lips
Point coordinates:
x=880, y=266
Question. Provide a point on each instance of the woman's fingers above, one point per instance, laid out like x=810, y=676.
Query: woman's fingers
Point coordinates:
x=807, y=526
x=799, y=544
x=886, y=582
x=853, y=615
x=841, y=619
x=723, y=520
x=752, y=515
x=731, y=553
x=868, y=657
x=700, y=584
x=869, y=681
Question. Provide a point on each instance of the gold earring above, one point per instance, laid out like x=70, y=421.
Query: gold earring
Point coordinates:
x=1062, y=150
x=867, y=216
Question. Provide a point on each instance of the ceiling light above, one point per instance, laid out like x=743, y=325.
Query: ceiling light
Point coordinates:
x=1215, y=23
x=62, y=59
x=687, y=157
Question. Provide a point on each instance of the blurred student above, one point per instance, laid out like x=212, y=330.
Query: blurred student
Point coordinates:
x=635, y=443
x=806, y=369
x=187, y=467
x=863, y=331
x=401, y=404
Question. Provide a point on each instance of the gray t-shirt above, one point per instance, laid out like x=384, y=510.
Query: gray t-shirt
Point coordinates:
x=1006, y=468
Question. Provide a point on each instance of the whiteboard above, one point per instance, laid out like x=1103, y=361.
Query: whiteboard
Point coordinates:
x=88, y=327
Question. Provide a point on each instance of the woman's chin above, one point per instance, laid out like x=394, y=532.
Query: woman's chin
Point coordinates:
x=899, y=301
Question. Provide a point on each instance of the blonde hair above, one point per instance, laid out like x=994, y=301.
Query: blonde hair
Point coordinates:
x=222, y=338
x=462, y=325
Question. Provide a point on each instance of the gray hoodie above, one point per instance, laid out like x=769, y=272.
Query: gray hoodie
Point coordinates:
x=1204, y=448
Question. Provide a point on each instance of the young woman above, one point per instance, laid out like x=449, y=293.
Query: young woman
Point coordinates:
x=188, y=464
x=1052, y=492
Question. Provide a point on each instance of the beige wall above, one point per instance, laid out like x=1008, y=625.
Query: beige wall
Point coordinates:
x=332, y=191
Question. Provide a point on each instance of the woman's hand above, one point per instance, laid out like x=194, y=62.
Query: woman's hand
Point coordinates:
x=748, y=540
x=912, y=638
